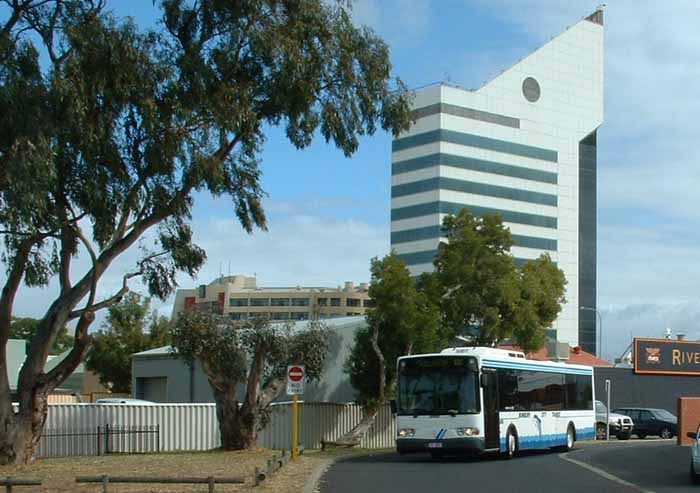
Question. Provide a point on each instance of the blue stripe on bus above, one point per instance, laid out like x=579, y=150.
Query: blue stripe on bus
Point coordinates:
x=588, y=374
x=528, y=366
x=537, y=367
x=551, y=440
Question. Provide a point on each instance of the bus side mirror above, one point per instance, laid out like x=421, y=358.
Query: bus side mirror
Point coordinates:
x=484, y=380
x=392, y=405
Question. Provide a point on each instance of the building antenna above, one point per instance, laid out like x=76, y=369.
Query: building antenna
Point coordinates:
x=229, y=267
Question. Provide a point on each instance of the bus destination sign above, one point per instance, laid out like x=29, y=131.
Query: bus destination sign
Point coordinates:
x=666, y=357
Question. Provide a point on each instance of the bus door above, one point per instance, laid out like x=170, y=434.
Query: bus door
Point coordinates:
x=490, y=408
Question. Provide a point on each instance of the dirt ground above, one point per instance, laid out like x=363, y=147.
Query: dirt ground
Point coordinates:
x=58, y=475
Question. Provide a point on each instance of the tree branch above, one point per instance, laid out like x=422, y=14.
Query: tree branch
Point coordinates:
x=121, y=228
x=17, y=13
x=272, y=391
x=106, y=303
x=77, y=354
x=66, y=257
x=223, y=152
x=382, y=365
x=254, y=376
x=112, y=300
x=28, y=234
x=7, y=297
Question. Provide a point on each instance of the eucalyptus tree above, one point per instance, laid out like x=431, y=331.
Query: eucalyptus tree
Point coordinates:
x=108, y=131
x=402, y=320
x=483, y=294
x=127, y=329
x=247, y=366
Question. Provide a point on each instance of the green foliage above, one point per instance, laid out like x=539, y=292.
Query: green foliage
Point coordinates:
x=211, y=339
x=483, y=294
x=228, y=353
x=25, y=328
x=127, y=330
x=115, y=129
x=406, y=321
x=109, y=131
x=542, y=287
x=257, y=356
x=127, y=124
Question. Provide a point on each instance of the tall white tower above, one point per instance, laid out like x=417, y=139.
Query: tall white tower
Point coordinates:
x=524, y=146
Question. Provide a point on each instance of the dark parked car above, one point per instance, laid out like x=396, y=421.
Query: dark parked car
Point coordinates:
x=648, y=421
x=620, y=426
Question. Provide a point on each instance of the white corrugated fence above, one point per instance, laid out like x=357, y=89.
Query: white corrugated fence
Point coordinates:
x=195, y=426
x=325, y=421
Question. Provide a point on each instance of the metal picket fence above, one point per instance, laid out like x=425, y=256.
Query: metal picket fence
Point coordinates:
x=102, y=440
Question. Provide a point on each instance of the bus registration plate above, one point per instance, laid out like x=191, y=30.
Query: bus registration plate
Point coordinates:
x=434, y=445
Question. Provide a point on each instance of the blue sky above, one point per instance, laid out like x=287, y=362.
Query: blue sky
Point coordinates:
x=328, y=215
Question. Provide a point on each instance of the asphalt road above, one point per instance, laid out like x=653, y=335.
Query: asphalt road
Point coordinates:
x=634, y=466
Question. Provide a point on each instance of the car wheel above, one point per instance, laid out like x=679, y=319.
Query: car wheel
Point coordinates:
x=665, y=433
x=511, y=444
x=623, y=436
x=693, y=476
x=600, y=431
x=641, y=436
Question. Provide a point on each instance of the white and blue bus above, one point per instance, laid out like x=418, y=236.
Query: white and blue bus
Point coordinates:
x=477, y=399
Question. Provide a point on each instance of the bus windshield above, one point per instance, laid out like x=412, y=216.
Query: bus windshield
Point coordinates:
x=438, y=385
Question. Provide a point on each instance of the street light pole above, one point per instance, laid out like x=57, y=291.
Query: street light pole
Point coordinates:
x=600, y=324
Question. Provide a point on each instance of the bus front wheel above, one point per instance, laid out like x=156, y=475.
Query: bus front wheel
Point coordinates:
x=511, y=444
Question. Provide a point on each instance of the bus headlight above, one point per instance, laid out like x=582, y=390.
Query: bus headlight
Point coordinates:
x=406, y=432
x=470, y=432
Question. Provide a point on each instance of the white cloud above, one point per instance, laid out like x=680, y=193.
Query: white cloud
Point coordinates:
x=297, y=249
x=402, y=22
x=622, y=323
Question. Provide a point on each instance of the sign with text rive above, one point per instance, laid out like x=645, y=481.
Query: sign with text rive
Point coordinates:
x=666, y=357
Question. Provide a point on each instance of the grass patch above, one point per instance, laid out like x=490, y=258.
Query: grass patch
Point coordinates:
x=58, y=475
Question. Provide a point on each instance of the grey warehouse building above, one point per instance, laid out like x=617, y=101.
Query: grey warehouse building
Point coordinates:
x=159, y=375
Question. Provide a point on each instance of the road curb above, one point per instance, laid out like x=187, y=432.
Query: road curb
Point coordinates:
x=319, y=470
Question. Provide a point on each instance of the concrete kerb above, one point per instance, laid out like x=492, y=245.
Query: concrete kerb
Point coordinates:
x=312, y=483
x=319, y=470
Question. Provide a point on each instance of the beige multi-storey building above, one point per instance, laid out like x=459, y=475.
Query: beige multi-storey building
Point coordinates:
x=240, y=298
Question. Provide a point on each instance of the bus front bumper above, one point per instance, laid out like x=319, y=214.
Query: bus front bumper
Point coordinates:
x=448, y=445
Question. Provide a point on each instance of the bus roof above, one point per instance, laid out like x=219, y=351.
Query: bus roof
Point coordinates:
x=502, y=358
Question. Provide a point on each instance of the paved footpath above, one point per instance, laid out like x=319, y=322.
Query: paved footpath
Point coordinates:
x=635, y=466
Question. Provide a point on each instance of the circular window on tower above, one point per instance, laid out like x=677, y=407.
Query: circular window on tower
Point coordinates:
x=531, y=89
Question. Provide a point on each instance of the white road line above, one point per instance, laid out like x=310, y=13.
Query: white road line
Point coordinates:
x=604, y=474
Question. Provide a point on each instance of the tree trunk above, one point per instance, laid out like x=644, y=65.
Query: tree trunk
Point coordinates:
x=354, y=436
x=20, y=433
x=236, y=423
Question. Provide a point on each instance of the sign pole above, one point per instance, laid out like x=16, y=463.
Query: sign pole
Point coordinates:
x=295, y=428
x=295, y=387
x=607, y=411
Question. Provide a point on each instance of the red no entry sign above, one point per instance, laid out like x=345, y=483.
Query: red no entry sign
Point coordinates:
x=295, y=373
